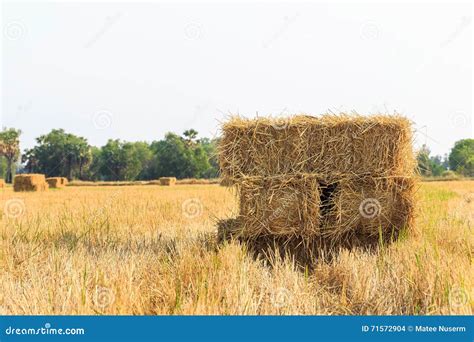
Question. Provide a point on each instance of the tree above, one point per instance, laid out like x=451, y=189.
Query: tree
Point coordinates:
x=59, y=154
x=190, y=135
x=210, y=148
x=438, y=165
x=92, y=172
x=122, y=160
x=172, y=158
x=461, y=158
x=423, y=159
x=10, y=149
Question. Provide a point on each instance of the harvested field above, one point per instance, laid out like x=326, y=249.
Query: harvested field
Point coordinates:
x=153, y=250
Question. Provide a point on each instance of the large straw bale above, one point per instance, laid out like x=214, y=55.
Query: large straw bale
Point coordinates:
x=369, y=208
x=328, y=145
x=168, y=181
x=30, y=182
x=335, y=180
x=280, y=206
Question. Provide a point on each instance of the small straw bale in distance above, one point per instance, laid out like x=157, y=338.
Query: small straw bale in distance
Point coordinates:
x=168, y=181
x=2, y=183
x=30, y=182
x=55, y=182
x=335, y=179
x=64, y=181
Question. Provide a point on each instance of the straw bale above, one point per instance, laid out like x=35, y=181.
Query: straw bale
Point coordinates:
x=339, y=145
x=370, y=208
x=30, y=182
x=168, y=181
x=280, y=206
x=335, y=180
x=55, y=182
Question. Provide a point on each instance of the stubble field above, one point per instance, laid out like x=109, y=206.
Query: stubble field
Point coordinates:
x=152, y=250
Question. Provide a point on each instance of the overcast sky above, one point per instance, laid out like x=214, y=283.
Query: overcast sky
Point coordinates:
x=138, y=70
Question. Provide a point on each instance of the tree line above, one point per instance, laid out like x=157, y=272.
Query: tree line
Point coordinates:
x=460, y=160
x=62, y=154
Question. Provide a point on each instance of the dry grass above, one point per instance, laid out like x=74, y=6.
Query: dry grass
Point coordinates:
x=152, y=250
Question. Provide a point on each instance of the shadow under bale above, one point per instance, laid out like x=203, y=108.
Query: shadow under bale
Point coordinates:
x=303, y=251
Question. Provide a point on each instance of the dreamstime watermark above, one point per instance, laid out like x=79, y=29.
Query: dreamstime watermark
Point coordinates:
x=458, y=297
x=281, y=297
x=14, y=30
x=14, y=208
x=369, y=31
x=469, y=197
x=465, y=22
x=47, y=329
x=287, y=200
x=108, y=23
x=102, y=119
x=23, y=109
x=282, y=120
x=103, y=297
x=370, y=208
x=192, y=208
x=98, y=212
x=464, y=209
x=287, y=21
x=193, y=31
x=460, y=119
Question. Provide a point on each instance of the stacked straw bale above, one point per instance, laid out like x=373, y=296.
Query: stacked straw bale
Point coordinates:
x=168, y=181
x=30, y=182
x=56, y=182
x=334, y=179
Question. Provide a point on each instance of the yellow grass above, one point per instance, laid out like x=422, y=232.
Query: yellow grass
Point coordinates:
x=151, y=250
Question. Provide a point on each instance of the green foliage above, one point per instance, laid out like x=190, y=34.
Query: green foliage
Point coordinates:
x=10, y=150
x=59, y=154
x=423, y=159
x=430, y=166
x=183, y=157
x=438, y=165
x=461, y=158
x=120, y=160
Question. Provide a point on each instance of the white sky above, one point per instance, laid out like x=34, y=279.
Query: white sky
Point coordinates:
x=138, y=70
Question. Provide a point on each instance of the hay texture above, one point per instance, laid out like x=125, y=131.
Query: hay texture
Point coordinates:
x=330, y=146
x=30, y=182
x=168, y=181
x=56, y=182
x=336, y=179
